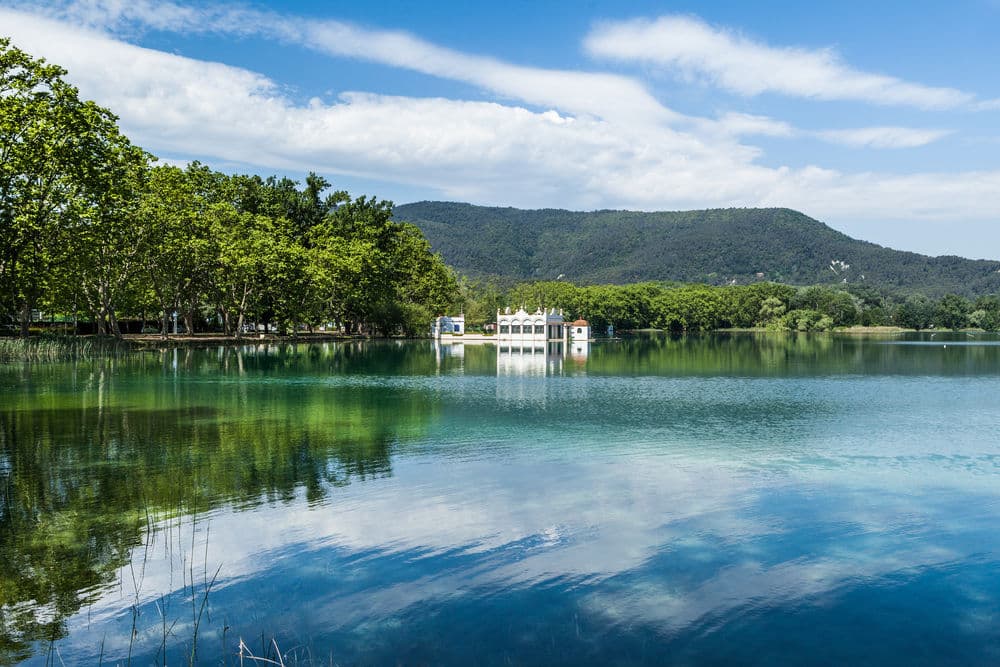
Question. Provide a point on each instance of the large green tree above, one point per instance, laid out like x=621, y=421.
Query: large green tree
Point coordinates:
x=181, y=248
x=54, y=149
x=108, y=239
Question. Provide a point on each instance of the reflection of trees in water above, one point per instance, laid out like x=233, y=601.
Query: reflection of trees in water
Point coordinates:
x=776, y=354
x=86, y=450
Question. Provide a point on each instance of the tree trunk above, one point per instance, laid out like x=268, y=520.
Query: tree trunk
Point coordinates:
x=115, y=330
x=25, y=317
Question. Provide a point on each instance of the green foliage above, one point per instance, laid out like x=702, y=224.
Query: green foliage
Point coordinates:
x=63, y=167
x=804, y=319
x=838, y=305
x=770, y=309
x=697, y=307
x=712, y=246
x=381, y=273
x=986, y=313
x=952, y=312
x=917, y=312
x=665, y=306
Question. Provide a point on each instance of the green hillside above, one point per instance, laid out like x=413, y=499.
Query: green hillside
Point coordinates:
x=714, y=246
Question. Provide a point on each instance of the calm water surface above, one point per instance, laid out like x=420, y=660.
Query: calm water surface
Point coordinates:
x=712, y=500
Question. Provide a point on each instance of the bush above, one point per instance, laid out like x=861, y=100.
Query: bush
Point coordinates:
x=803, y=319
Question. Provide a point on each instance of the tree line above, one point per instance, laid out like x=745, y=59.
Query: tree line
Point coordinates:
x=92, y=227
x=695, y=307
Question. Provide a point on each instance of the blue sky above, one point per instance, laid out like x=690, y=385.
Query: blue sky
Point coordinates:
x=880, y=119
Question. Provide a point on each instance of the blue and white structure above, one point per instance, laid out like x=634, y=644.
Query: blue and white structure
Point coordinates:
x=448, y=325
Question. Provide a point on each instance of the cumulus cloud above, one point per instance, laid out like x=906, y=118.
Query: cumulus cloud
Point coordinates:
x=737, y=63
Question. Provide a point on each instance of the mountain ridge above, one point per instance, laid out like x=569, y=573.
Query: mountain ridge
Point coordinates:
x=714, y=246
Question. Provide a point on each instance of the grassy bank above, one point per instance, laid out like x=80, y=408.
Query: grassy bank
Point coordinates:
x=858, y=329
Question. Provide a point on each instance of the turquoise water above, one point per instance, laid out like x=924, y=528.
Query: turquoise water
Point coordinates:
x=704, y=500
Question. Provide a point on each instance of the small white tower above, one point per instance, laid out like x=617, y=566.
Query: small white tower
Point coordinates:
x=580, y=331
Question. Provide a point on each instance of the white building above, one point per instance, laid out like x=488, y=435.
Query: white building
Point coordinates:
x=453, y=324
x=539, y=326
x=579, y=331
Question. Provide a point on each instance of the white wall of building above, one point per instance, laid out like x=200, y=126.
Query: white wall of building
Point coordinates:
x=541, y=325
x=448, y=324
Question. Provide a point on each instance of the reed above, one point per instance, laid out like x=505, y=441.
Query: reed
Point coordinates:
x=60, y=348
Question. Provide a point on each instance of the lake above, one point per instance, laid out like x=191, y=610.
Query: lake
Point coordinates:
x=746, y=499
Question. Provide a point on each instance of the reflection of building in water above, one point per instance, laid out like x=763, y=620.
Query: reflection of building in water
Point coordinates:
x=448, y=351
x=448, y=324
x=579, y=345
x=540, y=326
x=522, y=370
x=529, y=358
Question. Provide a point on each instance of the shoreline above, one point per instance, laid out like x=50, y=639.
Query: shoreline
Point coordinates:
x=143, y=342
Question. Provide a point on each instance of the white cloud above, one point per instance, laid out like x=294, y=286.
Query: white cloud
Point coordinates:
x=598, y=94
x=883, y=137
x=735, y=125
x=471, y=149
x=958, y=197
x=987, y=105
x=742, y=124
x=739, y=64
x=604, y=95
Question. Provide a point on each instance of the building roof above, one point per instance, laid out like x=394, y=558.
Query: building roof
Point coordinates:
x=580, y=323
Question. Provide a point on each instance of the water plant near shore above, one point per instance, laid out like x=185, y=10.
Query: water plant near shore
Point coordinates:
x=60, y=348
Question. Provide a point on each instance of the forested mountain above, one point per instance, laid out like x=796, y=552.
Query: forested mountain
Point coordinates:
x=713, y=246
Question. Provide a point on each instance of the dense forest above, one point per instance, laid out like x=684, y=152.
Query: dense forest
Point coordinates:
x=715, y=247
x=92, y=229
x=695, y=307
